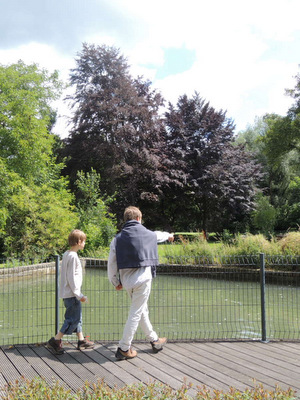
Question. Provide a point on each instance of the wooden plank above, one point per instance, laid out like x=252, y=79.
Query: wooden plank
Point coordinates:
x=3, y=385
x=139, y=374
x=162, y=374
x=7, y=368
x=261, y=367
x=268, y=361
x=275, y=355
x=24, y=367
x=235, y=364
x=112, y=373
x=293, y=345
x=93, y=364
x=217, y=363
x=78, y=362
x=197, y=371
x=163, y=370
x=149, y=372
x=2, y=380
x=186, y=374
x=125, y=373
x=289, y=351
x=62, y=366
x=41, y=367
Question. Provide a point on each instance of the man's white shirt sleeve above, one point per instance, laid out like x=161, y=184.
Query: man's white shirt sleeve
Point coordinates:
x=162, y=236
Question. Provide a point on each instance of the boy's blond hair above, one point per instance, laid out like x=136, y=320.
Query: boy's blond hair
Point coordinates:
x=132, y=212
x=75, y=236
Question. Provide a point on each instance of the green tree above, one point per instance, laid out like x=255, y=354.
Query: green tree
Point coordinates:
x=25, y=117
x=36, y=214
x=289, y=210
x=93, y=210
x=274, y=143
x=264, y=215
x=40, y=219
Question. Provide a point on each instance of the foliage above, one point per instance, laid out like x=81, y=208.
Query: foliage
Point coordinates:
x=217, y=178
x=116, y=127
x=289, y=211
x=94, y=216
x=187, y=250
x=275, y=143
x=252, y=244
x=40, y=219
x=264, y=215
x=35, y=207
x=25, y=118
x=290, y=243
x=38, y=389
x=239, y=245
x=156, y=162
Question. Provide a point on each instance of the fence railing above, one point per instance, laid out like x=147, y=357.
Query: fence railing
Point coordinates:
x=238, y=299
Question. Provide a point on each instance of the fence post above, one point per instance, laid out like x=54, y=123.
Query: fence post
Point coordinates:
x=262, y=298
x=56, y=294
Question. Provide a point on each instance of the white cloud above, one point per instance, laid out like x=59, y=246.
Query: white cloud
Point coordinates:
x=237, y=66
x=44, y=55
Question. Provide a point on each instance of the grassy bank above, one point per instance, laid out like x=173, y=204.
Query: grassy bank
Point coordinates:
x=238, y=245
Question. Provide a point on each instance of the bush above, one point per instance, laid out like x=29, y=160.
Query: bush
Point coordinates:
x=290, y=244
x=238, y=245
x=187, y=251
x=250, y=245
x=38, y=389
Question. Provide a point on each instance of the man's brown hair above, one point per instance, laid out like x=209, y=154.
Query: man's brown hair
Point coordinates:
x=132, y=212
x=75, y=236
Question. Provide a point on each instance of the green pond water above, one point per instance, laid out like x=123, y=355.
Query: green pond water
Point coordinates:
x=181, y=308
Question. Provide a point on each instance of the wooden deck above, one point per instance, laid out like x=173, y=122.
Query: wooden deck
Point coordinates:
x=218, y=365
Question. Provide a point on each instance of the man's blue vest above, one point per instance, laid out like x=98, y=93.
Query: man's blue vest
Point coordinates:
x=136, y=246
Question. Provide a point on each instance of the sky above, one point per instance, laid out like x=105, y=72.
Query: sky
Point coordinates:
x=239, y=55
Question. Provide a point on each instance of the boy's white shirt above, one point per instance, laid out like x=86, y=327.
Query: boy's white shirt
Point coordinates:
x=70, y=276
x=130, y=277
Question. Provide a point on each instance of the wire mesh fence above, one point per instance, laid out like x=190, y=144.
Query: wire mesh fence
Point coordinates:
x=206, y=300
x=27, y=294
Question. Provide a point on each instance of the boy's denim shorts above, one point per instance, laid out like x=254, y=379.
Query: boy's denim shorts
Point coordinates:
x=73, y=316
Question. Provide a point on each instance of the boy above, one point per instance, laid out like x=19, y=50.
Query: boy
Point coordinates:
x=70, y=292
x=132, y=262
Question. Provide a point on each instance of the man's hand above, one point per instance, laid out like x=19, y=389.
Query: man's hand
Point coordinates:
x=171, y=238
x=119, y=287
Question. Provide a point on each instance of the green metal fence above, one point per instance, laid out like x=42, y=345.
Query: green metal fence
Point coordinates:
x=230, y=299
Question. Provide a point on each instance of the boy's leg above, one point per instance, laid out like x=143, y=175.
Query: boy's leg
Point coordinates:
x=139, y=297
x=72, y=323
x=73, y=316
x=83, y=343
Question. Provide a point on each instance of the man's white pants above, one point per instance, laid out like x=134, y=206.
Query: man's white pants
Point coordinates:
x=138, y=315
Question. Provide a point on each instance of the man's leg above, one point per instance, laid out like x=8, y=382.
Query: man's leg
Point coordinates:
x=139, y=298
x=156, y=342
x=146, y=326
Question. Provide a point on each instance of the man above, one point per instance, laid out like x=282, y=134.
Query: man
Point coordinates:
x=132, y=262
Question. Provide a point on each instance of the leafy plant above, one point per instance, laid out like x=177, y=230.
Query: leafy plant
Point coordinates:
x=38, y=389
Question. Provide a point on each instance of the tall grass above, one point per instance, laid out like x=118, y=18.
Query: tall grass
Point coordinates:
x=239, y=245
